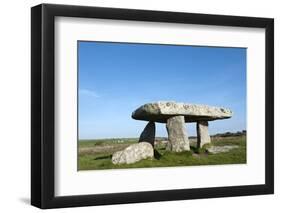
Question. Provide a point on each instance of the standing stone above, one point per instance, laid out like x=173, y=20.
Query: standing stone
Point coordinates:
x=177, y=134
x=148, y=134
x=203, y=136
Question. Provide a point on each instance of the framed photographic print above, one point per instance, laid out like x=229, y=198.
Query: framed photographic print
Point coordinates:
x=139, y=106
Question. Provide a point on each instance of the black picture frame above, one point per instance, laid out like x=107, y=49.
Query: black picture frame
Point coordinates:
x=43, y=117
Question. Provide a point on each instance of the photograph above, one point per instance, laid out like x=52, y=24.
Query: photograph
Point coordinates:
x=146, y=105
x=138, y=105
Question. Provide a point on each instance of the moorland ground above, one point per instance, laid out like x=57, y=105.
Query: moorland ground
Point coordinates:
x=96, y=154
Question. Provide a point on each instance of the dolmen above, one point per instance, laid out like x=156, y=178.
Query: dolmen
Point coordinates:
x=175, y=115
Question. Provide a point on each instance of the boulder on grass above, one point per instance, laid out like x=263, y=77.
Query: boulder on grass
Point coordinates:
x=133, y=153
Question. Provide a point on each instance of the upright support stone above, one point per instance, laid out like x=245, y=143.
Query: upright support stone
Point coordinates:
x=177, y=134
x=148, y=134
x=203, y=136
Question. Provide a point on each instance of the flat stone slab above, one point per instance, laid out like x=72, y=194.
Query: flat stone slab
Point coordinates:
x=163, y=110
x=220, y=149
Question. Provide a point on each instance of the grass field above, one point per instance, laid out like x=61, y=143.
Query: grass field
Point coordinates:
x=96, y=154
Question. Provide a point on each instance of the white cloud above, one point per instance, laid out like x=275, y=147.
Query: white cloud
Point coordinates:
x=89, y=93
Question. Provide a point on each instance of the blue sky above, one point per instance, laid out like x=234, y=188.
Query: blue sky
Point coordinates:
x=116, y=78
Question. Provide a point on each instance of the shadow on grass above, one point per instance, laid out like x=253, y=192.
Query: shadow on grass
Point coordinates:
x=202, y=150
x=103, y=157
x=193, y=149
x=157, y=155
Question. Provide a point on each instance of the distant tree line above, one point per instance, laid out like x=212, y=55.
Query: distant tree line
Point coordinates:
x=225, y=134
x=228, y=134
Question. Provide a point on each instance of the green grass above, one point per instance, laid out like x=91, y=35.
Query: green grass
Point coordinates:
x=96, y=154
